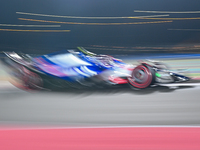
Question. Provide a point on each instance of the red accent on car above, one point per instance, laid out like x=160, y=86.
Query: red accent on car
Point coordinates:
x=118, y=80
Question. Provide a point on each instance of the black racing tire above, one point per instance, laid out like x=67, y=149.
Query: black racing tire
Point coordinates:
x=141, y=77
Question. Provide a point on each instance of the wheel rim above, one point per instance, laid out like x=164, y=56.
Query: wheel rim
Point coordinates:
x=141, y=77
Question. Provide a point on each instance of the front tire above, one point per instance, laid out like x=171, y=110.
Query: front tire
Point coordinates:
x=141, y=77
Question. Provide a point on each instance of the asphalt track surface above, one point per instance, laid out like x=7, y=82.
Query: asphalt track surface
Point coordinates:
x=119, y=106
x=161, y=117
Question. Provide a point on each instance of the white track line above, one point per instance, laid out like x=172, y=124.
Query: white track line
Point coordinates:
x=95, y=127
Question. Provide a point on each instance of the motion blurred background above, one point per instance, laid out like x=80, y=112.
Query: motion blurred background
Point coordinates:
x=128, y=29
x=92, y=24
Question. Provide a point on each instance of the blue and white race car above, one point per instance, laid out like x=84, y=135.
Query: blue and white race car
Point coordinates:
x=77, y=69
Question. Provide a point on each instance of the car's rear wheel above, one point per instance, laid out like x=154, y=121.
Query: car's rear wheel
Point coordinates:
x=26, y=79
x=141, y=77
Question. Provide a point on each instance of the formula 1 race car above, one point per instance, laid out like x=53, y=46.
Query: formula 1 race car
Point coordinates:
x=77, y=69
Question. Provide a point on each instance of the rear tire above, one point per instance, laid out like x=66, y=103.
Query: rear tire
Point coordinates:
x=26, y=79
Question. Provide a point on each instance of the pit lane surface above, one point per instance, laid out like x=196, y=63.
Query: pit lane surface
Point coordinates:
x=121, y=106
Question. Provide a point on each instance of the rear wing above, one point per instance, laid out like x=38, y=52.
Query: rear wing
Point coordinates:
x=21, y=59
x=17, y=58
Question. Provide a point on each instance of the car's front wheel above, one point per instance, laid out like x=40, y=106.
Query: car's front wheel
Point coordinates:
x=141, y=77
